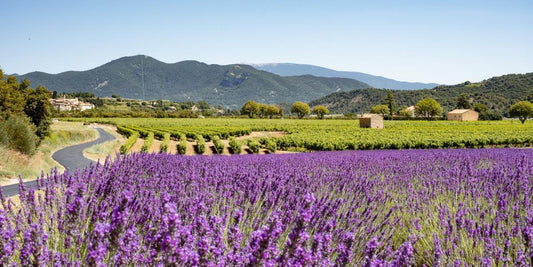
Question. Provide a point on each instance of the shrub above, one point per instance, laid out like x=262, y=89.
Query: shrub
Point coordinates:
x=253, y=145
x=148, y=142
x=182, y=145
x=200, y=144
x=20, y=135
x=235, y=145
x=219, y=146
x=271, y=145
x=186, y=113
x=125, y=148
x=166, y=142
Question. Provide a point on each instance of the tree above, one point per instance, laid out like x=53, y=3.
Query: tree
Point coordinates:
x=39, y=110
x=272, y=110
x=522, y=110
x=320, y=111
x=262, y=110
x=203, y=105
x=405, y=112
x=391, y=102
x=25, y=84
x=529, y=97
x=250, y=108
x=11, y=100
x=20, y=133
x=300, y=108
x=380, y=109
x=428, y=108
x=480, y=108
x=485, y=114
x=462, y=102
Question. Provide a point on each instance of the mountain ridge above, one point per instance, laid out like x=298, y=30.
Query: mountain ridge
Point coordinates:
x=144, y=77
x=291, y=69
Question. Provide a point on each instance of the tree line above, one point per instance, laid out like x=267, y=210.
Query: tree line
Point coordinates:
x=25, y=114
x=429, y=108
x=301, y=109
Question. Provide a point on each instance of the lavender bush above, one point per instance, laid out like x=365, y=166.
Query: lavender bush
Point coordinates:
x=367, y=208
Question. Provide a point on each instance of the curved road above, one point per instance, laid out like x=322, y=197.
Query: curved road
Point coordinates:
x=70, y=157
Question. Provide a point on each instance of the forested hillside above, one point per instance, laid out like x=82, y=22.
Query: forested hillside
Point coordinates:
x=498, y=93
x=142, y=77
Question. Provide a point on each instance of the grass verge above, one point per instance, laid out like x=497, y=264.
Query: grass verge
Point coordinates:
x=13, y=164
x=101, y=151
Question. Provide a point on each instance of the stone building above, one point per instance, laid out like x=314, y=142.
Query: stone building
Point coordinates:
x=463, y=115
x=371, y=121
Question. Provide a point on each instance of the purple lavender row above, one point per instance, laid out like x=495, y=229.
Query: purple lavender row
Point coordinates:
x=455, y=207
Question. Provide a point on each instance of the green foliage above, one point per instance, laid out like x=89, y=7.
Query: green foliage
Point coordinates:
x=462, y=102
x=522, y=110
x=254, y=145
x=250, y=108
x=203, y=105
x=124, y=130
x=11, y=100
x=315, y=135
x=166, y=143
x=21, y=101
x=39, y=109
x=19, y=134
x=390, y=102
x=498, y=93
x=271, y=145
x=272, y=110
x=217, y=143
x=200, y=144
x=187, y=113
x=320, y=111
x=380, y=109
x=262, y=110
x=428, y=108
x=485, y=114
x=182, y=145
x=4, y=141
x=125, y=148
x=192, y=81
x=300, y=108
x=235, y=145
x=405, y=112
x=148, y=142
x=480, y=108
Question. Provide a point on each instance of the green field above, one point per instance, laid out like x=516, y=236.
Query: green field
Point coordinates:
x=341, y=134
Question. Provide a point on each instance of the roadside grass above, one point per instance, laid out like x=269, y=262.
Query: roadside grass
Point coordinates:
x=13, y=164
x=101, y=151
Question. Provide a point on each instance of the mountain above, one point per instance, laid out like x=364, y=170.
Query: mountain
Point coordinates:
x=290, y=69
x=498, y=93
x=143, y=77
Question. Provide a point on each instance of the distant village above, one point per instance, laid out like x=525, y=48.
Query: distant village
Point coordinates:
x=70, y=104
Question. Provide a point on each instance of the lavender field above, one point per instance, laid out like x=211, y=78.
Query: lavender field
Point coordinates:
x=453, y=207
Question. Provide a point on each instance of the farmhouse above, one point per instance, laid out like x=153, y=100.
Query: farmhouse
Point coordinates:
x=371, y=121
x=463, y=115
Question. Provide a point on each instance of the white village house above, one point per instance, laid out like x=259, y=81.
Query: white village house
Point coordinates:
x=68, y=104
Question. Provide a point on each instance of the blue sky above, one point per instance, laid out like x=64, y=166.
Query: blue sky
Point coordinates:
x=427, y=41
